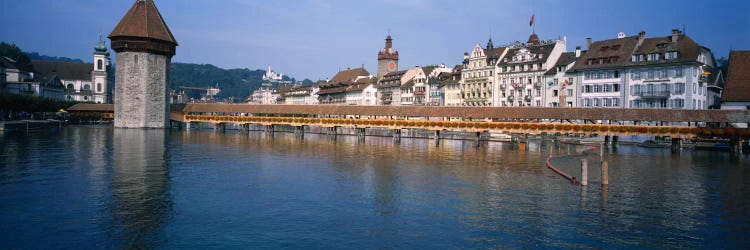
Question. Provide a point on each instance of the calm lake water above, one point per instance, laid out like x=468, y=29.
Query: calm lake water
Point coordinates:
x=98, y=187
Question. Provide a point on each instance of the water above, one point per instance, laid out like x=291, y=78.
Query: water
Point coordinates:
x=97, y=187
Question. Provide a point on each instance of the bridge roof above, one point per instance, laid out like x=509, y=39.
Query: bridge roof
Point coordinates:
x=618, y=114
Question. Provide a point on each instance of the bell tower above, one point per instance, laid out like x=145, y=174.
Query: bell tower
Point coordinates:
x=99, y=74
x=144, y=46
x=387, y=58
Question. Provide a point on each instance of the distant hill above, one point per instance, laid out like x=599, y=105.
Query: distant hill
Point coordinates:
x=237, y=83
x=37, y=56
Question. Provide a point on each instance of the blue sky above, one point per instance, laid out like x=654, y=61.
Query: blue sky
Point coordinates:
x=314, y=38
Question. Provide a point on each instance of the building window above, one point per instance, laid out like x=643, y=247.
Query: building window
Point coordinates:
x=98, y=87
x=570, y=92
x=554, y=92
x=678, y=72
x=86, y=87
x=99, y=64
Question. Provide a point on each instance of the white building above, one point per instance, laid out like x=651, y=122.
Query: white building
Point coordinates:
x=452, y=88
x=272, y=76
x=84, y=82
x=301, y=95
x=521, y=70
x=559, y=84
x=18, y=81
x=264, y=95
x=639, y=72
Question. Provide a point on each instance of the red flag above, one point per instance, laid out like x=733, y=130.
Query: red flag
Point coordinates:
x=531, y=22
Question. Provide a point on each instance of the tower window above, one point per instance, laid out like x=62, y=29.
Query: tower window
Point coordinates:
x=98, y=87
x=99, y=64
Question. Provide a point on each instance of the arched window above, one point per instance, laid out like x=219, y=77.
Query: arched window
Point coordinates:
x=86, y=87
x=70, y=86
x=98, y=87
x=99, y=64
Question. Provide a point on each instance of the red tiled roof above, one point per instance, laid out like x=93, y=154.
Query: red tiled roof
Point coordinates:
x=737, y=87
x=143, y=20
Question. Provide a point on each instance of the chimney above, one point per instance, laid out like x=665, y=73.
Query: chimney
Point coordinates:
x=641, y=36
x=578, y=51
x=675, y=35
x=588, y=43
x=466, y=55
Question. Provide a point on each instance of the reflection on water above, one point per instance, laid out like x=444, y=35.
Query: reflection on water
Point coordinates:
x=97, y=187
x=140, y=186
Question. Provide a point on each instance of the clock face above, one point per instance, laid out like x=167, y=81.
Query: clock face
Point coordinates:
x=392, y=66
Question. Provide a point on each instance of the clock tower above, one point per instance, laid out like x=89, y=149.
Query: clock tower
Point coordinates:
x=387, y=58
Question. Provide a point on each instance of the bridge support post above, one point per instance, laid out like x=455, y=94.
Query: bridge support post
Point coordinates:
x=245, y=128
x=601, y=149
x=676, y=147
x=615, y=140
x=396, y=135
x=606, y=140
x=584, y=172
x=605, y=173
x=219, y=127
x=269, y=129
x=361, y=133
x=299, y=131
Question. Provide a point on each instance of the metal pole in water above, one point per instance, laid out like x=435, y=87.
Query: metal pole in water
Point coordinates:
x=584, y=172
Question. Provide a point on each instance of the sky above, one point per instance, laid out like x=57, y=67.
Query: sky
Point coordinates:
x=316, y=38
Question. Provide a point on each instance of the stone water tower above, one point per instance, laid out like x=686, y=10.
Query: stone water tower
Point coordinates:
x=144, y=47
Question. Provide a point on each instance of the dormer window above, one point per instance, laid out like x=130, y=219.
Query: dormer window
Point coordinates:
x=670, y=55
x=653, y=57
x=637, y=58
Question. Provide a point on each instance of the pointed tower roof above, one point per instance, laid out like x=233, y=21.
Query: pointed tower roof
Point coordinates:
x=143, y=20
x=143, y=29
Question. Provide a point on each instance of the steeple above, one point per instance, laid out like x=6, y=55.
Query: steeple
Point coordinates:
x=143, y=29
x=388, y=42
x=490, y=45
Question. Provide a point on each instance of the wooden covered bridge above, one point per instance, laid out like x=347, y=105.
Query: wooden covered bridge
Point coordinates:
x=527, y=120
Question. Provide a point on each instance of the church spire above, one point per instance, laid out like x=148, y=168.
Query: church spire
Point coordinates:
x=489, y=44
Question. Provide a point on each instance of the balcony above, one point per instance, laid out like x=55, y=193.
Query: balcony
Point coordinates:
x=510, y=98
x=653, y=94
x=527, y=98
x=477, y=99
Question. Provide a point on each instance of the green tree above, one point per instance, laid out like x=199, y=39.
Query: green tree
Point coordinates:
x=15, y=53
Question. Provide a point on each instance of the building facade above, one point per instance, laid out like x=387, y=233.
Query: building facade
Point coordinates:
x=521, y=71
x=84, y=82
x=560, y=84
x=478, y=74
x=640, y=72
x=334, y=91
